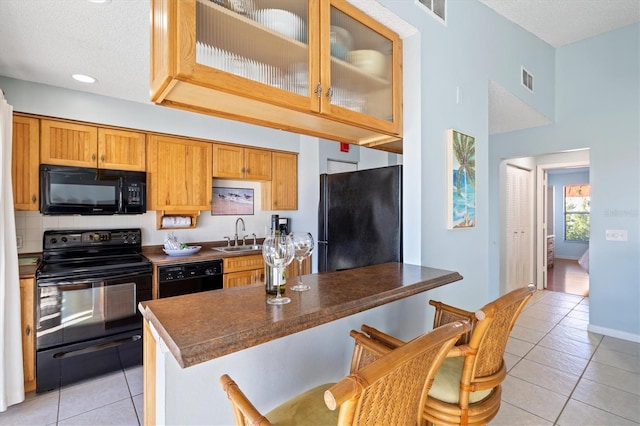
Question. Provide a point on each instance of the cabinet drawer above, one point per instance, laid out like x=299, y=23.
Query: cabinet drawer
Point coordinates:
x=240, y=278
x=242, y=263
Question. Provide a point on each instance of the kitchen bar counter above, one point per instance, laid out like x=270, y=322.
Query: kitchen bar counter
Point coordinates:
x=273, y=352
x=200, y=327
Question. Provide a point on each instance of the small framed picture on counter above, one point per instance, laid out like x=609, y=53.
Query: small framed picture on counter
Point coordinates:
x=232, y=201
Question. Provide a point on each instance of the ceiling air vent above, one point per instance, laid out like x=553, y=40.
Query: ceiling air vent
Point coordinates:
x=437, y=7
x=527, y=80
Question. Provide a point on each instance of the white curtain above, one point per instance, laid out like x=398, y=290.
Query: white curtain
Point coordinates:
x=11, y=373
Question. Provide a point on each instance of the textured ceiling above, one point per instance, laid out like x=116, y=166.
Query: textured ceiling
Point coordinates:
x=562, y=22
x=46, y=41
x=509, y=113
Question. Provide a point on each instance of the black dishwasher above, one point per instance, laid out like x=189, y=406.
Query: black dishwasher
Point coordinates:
x=193, y=277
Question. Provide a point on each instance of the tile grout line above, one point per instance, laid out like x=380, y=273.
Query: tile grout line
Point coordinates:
x=538, y=342
x=564, y=406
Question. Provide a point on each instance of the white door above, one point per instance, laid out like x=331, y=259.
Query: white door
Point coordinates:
x=519, y=215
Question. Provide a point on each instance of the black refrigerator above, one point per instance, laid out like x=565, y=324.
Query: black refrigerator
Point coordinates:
x=360, y=218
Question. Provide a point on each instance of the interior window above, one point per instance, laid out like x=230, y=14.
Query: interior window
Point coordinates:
x=577, y=209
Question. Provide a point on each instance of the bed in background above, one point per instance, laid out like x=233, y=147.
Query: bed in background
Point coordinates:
x=584, y=261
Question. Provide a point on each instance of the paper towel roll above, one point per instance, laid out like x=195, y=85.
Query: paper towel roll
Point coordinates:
x=176, y=221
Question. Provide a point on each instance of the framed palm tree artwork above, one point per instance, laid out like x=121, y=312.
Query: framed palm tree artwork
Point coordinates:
x=461, y=180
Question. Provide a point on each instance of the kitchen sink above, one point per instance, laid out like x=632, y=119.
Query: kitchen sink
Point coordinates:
x=236, y=249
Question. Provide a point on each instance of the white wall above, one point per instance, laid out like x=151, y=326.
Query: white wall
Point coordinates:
x=456, y=62
x=598, y=108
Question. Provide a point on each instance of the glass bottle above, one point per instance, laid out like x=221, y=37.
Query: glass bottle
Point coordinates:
x=271, y=279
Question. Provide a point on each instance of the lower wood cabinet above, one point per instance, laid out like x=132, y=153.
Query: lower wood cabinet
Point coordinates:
x=242, y=270
x=245, y=270
x=27, y=302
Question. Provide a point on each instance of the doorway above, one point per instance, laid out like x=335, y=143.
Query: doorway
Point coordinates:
x=564, y=259
x=528, y=208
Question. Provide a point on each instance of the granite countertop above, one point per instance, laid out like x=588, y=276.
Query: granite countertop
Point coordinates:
x=27, y=265
x=203, y=326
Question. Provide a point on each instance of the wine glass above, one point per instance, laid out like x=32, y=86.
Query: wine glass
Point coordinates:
x=278, y=252
x=303, y=243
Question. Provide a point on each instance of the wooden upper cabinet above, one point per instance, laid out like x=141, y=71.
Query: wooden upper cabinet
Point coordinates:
x=25, y=163
x=281, y=193
x=71, y=144
x=236, y=162
x=178, y=174
x=331, y=71
x=68, y=144
x=257, y=163
x=121, y=150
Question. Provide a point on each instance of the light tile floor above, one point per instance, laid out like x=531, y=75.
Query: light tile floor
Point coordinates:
x=112, y=399
x=559, y=374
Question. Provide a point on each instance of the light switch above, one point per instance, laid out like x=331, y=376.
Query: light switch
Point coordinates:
x=616, y=235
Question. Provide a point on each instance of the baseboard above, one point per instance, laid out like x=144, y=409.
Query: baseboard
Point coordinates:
x=566, y=257
x=614, y=333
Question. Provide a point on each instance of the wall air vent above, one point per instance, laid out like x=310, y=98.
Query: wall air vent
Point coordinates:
x=527, y=79
x=437, y=7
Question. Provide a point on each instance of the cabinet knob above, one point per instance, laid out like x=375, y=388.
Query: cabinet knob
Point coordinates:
x=33, y=199
x=102, y=158
x=93, y=157
x=27, y=330
x=330, y=93
x=318, y=90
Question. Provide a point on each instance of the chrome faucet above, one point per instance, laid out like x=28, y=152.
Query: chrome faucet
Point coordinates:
x=236, y=236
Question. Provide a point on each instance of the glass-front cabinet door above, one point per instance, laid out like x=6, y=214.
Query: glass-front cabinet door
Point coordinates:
x=360, y=67
x=264, y=41
x=318, y=67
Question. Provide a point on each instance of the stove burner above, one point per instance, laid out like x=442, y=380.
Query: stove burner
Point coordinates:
x=76, y=253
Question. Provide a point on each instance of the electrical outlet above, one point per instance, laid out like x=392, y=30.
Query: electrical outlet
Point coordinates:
x=19, y=241
x=616, y=235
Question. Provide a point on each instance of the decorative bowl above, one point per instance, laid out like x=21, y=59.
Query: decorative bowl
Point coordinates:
x=369, y=61
x=183, y=252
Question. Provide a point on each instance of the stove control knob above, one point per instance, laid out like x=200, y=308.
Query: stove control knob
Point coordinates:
x=53, y=241
x=64, y=239
x=209, y=271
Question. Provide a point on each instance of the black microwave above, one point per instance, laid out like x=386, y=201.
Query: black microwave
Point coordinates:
x=88, y=191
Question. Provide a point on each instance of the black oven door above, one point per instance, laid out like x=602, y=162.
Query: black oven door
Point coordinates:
x=75, y=310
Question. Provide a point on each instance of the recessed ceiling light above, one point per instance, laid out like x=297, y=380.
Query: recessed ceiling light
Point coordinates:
x=84, y=78
x=100, y=1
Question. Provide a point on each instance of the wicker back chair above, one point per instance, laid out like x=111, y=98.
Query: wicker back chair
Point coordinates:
x=390, y=386
x=467, y=388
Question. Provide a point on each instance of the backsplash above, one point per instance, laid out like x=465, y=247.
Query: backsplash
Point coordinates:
x=31, y=225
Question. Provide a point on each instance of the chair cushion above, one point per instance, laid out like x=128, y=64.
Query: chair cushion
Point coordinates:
x=307, y=408
x=446, y=384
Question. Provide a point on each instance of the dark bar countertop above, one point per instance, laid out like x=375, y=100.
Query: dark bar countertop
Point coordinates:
x=203, y=326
